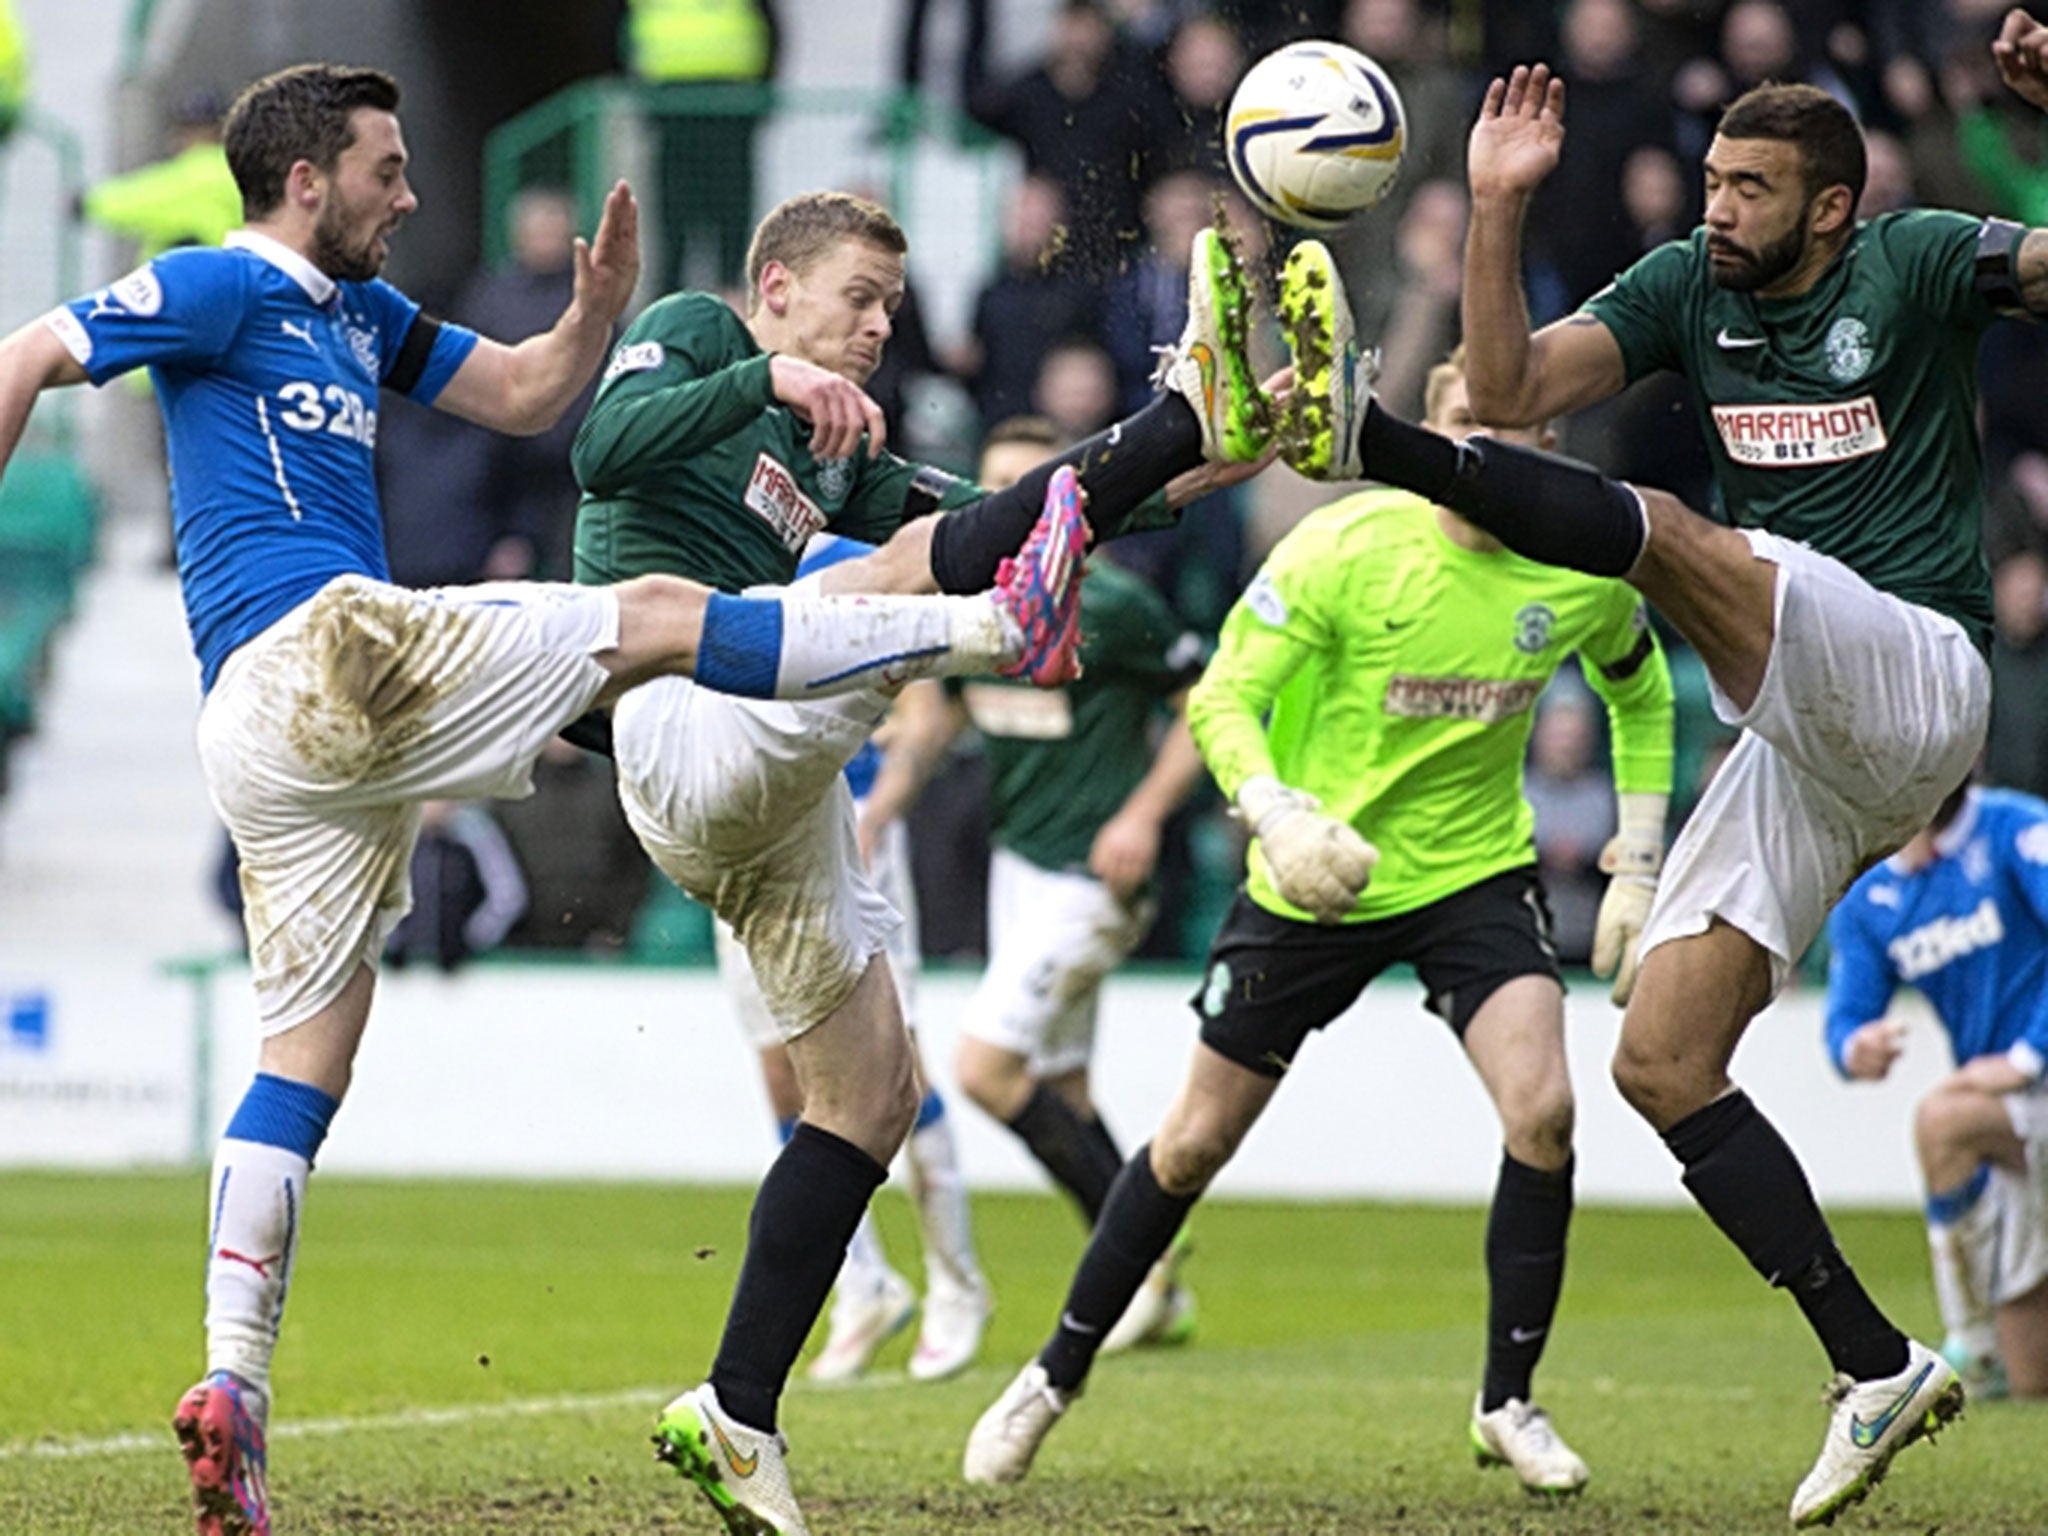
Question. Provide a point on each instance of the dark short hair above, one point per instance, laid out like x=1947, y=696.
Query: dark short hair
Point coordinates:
x=1830, y=144
x=301, y=113
x=801, y=231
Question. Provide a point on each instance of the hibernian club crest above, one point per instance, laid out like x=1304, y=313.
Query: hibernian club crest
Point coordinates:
x=835, y=479
x=1532, y=627
x=1848, y=347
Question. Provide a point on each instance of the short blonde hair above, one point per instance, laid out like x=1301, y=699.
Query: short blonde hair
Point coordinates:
x=800, y=231
x=1446, y=373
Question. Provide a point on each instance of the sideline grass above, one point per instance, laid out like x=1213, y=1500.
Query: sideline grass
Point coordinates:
x=487, y=1358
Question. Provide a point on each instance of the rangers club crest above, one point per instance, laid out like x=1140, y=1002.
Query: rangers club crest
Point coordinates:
x=1848, y=347
x=1532, y=628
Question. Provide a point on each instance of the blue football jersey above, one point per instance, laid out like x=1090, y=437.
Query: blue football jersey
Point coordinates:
x=1969, y=931
x=826, y=549
x=266, y=371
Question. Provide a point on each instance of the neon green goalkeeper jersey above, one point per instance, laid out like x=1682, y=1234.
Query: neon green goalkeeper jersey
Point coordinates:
x=1393, y=674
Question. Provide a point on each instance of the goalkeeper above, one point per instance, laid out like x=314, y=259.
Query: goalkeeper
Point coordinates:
x=1396, y=654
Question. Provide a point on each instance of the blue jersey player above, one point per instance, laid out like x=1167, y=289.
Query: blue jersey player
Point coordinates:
x=1961, y=914
x=335, y=702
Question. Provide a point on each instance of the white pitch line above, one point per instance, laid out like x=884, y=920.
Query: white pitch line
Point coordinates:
x=302, y=1429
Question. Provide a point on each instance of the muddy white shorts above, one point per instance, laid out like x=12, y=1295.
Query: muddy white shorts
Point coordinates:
x=742, y=804
x=1053, y=936
x=2021, y=1200
x=1871, y=710
x=321, y=736
x=890, y=872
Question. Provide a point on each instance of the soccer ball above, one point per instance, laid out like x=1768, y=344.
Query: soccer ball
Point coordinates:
x=1314, y=134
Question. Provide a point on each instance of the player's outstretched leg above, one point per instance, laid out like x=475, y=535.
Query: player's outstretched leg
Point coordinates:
x=1211, y=368
x=741, y=1471
x=1543, y=507
x=222, y=1438
x=1872, y=1422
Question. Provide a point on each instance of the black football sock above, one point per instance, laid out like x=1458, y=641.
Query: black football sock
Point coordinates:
x=1118, y=468
x=1550, y=509
x=1746, y=1178
x=1525, y=1241
x=1138, y=1223
x=1109, y=1157
x=1068, y=1148
x=804, y=1216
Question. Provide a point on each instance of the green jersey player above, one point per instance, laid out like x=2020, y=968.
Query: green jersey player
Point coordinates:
x=1380, y=676
x=1841, y=616
x=716, y=447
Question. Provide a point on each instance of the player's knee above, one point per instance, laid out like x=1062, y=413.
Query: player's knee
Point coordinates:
x=1938, y=1123
x=1653, y=1086
x=1538, y=1125
x=660, y=618
x=1188, y=1152
x=996, y=1081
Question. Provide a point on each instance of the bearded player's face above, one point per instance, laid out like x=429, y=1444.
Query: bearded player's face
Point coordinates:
x=367, y=199
x=1758, y=212
x=840, y=309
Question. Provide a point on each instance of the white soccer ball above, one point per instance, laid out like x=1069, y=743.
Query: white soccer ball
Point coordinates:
x=1315, y=134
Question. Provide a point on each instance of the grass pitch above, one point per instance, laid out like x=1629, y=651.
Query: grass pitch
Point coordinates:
x=489, y=1358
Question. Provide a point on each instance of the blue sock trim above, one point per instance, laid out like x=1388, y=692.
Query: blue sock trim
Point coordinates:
x=932, y=1109
x=741, y=649
x=277, y=1112
x=1947, y=1205
x=786, y=1128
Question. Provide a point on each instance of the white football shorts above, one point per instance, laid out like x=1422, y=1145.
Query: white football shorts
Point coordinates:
x=890, y=872
x=1871, y=710
x=323, y=734
x=2022, y=1200
x=1053, y=937
x=742, y=804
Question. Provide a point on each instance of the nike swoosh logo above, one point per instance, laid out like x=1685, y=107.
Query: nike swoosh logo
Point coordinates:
x=1526, y=1335
x=1399, y=623
x=1073, y=1325
x=744, y=1465
x=1866, y=1434
x=1729, y=343
x=1205, y=361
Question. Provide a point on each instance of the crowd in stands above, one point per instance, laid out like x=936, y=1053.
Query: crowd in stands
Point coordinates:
x=1114, y=131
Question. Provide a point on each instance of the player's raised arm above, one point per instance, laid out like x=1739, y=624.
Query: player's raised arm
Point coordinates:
x=31, y=361
x=524, y=389
x=1517, y=379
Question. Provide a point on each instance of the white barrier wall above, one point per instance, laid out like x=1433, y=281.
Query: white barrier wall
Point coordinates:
x=619, y=1072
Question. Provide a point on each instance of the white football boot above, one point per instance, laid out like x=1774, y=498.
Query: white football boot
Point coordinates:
x=742, y=1471
x=1004, y=1439
x=1873, y=1421
x=1520, y=1435
x=955, y=1317
x=862, y=1322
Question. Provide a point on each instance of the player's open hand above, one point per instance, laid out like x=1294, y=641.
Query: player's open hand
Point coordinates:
x=1869, y=1052
x=837, y=409
x=2021, y=52
x=608, y=267
x=1519, y=135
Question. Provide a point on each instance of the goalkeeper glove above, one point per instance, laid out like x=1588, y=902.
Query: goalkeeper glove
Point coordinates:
x=1318, y=863
x=1631, y=860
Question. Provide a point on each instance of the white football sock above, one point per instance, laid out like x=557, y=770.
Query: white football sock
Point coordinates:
x=259, y=1201
x=1965, y=1254
x=940, y=1194
x=833, y=645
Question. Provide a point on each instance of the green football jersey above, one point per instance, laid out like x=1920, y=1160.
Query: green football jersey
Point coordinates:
x=1062, y=761
x=1843, y=418
x=690, y=467
x=1397, y=672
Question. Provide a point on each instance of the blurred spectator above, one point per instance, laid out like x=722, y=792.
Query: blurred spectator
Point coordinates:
x=1262, y=26
x=2016, y=751
x=1758, y=43
x=1146, y=305
x=1437, y=107
x=2012, y=376
x=1580, y=224
x=585, y=874
x=13, y=69
x=528, y=492
x=1082, y=118
x=1888, y=178
x=187, y=198
x=467, y=890
x=1574, y=805
x=1033, y=300
x=706, y=183
x=1423, y=325
x=1201, y=67
x=1076, y=388
x=972, y=67
x=1999, y=139
x=439, y=526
